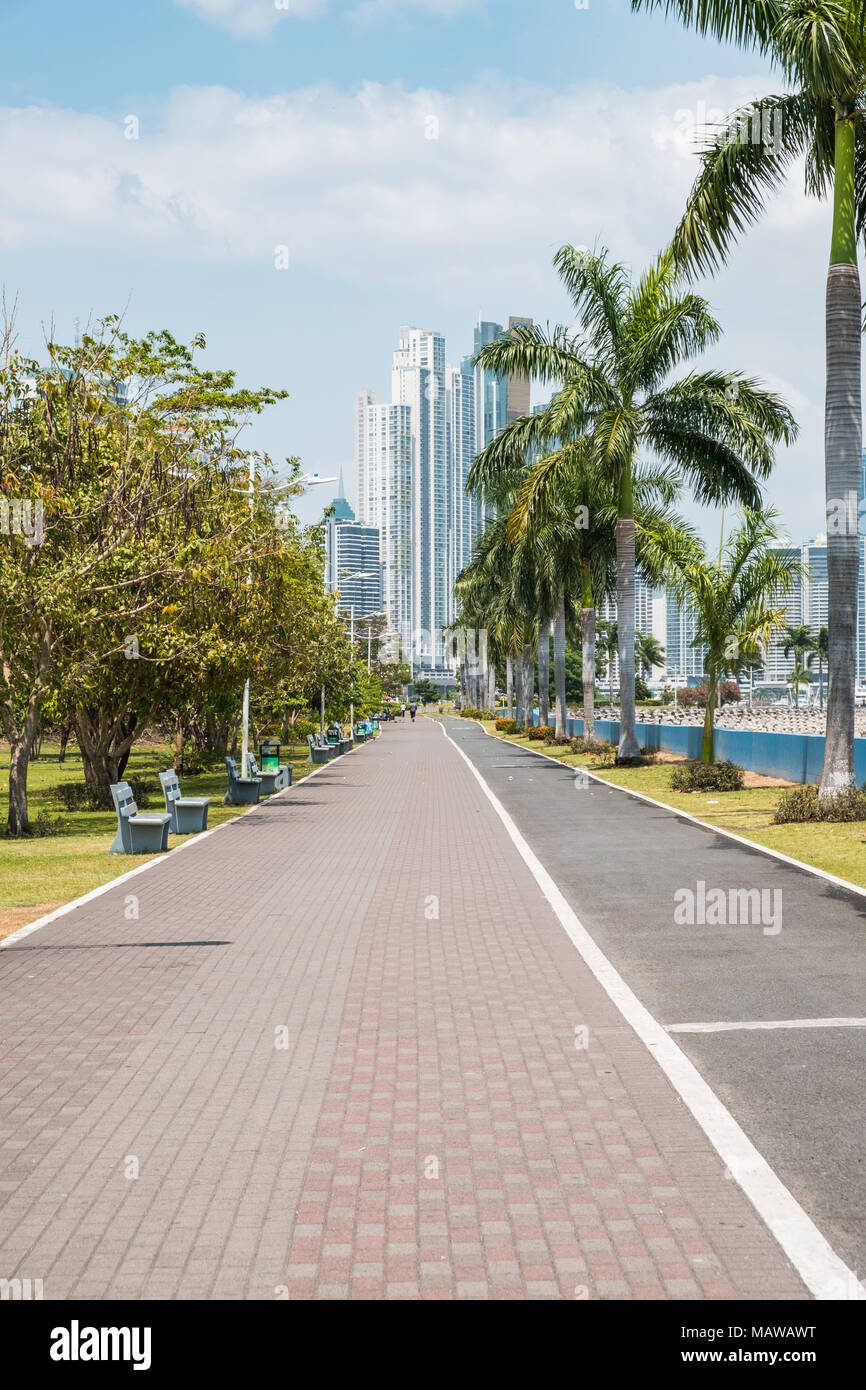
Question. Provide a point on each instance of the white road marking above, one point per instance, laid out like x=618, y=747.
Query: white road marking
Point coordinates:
x=766, y=1023
x=818, y=1265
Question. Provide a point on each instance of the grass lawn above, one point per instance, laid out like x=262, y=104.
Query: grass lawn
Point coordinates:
x=838, y=849
x=38, y=875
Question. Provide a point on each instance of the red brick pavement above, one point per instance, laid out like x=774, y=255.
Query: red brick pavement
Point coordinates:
x=432, y=1130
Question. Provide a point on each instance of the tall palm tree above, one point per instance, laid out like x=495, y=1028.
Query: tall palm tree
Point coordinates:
x=799, y=640
x=735, y=596
x=819, y=49
x=716, y=429
x=649, y=652
x=820, y=652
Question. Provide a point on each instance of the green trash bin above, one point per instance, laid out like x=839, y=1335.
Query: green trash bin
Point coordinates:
x=375, y=722
x=269, y=755
x=335, y=734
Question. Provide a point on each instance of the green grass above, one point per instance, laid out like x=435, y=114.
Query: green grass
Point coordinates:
x=837, y=849
x=37, y=875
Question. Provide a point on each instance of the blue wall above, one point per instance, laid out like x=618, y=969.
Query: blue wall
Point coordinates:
x=796, y=757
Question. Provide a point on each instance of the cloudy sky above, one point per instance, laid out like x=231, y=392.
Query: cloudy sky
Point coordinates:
x=421, y=160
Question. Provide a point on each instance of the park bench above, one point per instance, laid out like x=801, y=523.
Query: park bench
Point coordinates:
x=243, y=791
x=137, y=833
x=188, y=813
x=272, y=781
x=319, y=753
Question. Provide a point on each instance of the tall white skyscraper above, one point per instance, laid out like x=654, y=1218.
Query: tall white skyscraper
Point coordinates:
x=363, y=400
x=389, y=453
x=463, y=512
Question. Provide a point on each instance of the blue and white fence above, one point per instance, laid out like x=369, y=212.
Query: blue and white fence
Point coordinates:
x=795, y=757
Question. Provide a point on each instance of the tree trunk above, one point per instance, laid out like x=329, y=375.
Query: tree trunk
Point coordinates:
x=821, y=683
x=543, y=645
x=587, y=636
x=527, y=683
x=625, y=567
x=65, y=730
x=105, y=739
x=708, y=739
x=178, y=748
x=842, y=450
x=559, y=667
x=509, y=684
x=491, y=687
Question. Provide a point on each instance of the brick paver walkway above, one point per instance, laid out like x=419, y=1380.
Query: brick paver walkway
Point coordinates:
x=429, y=1130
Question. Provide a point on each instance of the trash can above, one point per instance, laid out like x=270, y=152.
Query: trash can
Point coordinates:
x=375, y=723
x=335, y=734
x=269, y=755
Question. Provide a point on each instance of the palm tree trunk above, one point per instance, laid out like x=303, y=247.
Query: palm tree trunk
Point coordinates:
x=528, y=683
x=559, y=666
x=628, y=744
x=509, y=684
x=842, y=445
x=821, y=682
x=587, y=636
x=543, y=670
x=708, y=740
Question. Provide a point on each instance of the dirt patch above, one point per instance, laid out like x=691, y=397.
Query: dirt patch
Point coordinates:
x=14, y=917
x=750, y=779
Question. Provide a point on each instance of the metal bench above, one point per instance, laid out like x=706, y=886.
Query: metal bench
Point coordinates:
x=333, y=750
x=271, y=781
x=137, y=833
x=243, y=791
x=188, y=813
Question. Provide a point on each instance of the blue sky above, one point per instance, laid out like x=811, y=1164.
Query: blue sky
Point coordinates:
x=308, y=128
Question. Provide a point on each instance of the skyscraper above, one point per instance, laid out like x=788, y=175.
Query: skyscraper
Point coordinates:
x=352, y=551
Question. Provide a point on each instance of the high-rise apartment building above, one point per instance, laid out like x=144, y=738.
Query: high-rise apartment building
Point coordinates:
x=353, y=566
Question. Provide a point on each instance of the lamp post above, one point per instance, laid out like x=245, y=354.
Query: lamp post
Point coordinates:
x=309, y=480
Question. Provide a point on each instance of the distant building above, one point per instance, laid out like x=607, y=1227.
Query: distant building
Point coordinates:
x=353, y=560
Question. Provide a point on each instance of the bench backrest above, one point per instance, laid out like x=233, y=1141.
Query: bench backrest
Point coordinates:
x=170, y=786
x=252, y=765
x=124, y=802
x=232, y=767
x=311, y=741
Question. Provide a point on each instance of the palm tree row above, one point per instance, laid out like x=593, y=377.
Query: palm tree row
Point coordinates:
x=579, y=512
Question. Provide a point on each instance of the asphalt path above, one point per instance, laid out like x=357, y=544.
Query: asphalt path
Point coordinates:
x=632, y=872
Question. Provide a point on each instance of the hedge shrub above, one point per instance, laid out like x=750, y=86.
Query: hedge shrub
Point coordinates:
x=506, y=726
x=540, y=732
x=802, y=804
x=714, y=777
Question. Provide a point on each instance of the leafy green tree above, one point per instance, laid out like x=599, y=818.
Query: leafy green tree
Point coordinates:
x=819, y=50
x=649, y=652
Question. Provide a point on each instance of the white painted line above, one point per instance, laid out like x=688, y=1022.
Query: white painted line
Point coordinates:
x=50, y=917
x=696, y=820
x=766, y=1024
x=820, y=1268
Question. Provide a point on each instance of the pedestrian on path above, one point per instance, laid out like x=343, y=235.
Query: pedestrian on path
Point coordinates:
x=412, y=708
x=402, y=711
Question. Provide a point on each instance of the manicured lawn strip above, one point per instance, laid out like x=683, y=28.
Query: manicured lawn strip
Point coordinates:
x=837, y=849
x=38, y=875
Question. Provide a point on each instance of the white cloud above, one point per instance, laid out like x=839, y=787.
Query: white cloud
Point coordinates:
x=256, y=18
x=251, y=18
x=465, y=194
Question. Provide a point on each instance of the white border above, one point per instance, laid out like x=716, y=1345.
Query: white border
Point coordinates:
x=822, y=1271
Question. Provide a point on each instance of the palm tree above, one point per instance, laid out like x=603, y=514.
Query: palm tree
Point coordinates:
x=492, y=595
x=799, y=676
x=819, y=48
x=734, y=596
x=798, y=640
x=715, y=429
x=648, y=652
x=820, y=652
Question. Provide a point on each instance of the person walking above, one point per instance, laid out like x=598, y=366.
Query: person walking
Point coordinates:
x=412, y=708
x=402, y=711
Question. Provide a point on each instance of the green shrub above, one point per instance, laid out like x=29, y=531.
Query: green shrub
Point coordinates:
x=714, y=777
x=470, y=713
x=802, y=804
x=300, y=729
x=506, y=726
x=488, y=714
x=541, y=732
x=581, y=744
x=75, y=796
